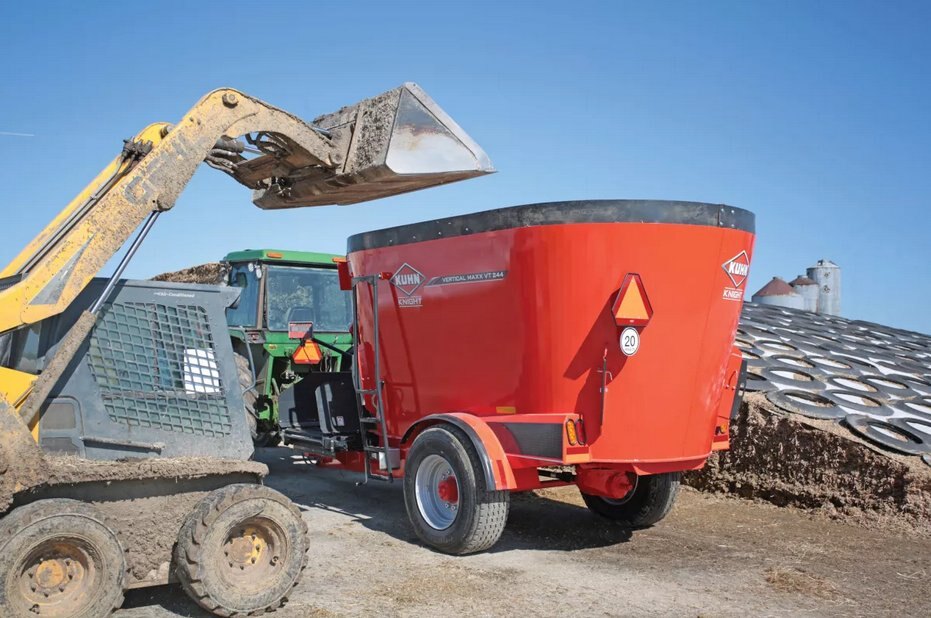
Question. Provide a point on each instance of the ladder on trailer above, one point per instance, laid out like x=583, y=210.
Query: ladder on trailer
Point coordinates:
x=366, y=421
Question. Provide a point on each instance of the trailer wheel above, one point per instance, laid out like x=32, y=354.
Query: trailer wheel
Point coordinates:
x=445, y=494
x=59, y=558
x=250, y=396
x=241, y=550
x=650, y=501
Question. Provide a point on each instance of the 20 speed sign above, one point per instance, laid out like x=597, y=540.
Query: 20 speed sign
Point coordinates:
x=630, y=341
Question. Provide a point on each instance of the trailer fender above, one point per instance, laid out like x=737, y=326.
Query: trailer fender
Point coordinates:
x=498, y=472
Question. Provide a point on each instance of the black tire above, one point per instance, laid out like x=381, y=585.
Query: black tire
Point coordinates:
x=241, y=550
x=648, y=503
x=481, y=513
x=61, y=559
x=250, y=395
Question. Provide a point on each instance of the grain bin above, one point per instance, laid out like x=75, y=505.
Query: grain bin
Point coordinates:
x=778, y=293
x=809, y=291
x=827, y=275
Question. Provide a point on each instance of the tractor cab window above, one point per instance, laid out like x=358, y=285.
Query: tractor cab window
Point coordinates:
x=246, y=312
x=297, y=294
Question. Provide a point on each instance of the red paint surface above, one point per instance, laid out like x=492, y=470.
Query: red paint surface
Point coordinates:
x=533, y=342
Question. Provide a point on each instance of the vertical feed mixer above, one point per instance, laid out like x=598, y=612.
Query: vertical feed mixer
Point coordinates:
x=587, y=343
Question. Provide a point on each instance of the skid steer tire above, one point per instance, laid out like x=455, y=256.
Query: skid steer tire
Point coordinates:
x=250, y=392
x=241, y=550
x=649, y=502
x=445, y=495
x=61, y=559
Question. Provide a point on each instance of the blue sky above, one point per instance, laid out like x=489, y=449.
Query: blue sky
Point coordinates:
x=814, y=115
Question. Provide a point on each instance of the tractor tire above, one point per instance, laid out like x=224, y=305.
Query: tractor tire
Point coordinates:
x=61, y=559
x=648, y=503
x=250, y=396
x=241, y=550
x=447, y=500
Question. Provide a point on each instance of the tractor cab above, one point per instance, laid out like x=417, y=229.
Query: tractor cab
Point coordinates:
x=291, y=330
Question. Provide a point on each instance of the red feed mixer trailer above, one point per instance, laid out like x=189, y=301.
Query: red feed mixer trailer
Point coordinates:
x=587, y=343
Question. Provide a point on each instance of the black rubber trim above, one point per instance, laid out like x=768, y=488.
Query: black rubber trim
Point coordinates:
x=556, y=213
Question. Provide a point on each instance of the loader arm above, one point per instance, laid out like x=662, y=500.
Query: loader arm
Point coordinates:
x=296, y=164
x=148, y=176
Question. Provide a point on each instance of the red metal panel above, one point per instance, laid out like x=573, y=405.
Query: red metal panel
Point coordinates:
x=517, y=321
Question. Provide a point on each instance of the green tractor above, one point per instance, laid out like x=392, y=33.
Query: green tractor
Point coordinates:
x=285, y=295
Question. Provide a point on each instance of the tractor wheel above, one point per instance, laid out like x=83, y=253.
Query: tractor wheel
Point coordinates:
x=445, y=494
x=647, y=503
x=59, y=559
x=241, y=550
x=250, y=396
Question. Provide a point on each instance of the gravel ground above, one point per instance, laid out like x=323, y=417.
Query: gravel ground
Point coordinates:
x=711, y=556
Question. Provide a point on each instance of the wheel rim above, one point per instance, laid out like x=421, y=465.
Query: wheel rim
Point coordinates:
x=58, y=577
x=254, y=551
x=437, y=492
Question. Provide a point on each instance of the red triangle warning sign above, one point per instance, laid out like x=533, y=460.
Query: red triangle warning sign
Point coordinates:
x=632, y=306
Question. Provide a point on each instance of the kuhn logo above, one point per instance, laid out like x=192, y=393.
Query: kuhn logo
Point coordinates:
x=737, y=268
x=407, y=279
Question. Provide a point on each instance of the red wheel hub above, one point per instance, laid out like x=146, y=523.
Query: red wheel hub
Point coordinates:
x=448, y=490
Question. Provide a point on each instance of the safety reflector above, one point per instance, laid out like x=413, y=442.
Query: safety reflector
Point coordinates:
x=571, y=435
x=632, y=306
x=308, y=353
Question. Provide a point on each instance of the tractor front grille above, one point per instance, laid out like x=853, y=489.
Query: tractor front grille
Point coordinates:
x=156, y=367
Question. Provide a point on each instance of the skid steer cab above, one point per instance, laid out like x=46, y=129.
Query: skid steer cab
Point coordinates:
x=587, y=343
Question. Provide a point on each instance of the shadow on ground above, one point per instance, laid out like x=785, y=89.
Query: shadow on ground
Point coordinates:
x=170, y=598
x=534, y=522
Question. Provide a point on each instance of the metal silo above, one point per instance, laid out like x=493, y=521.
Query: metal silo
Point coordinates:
x=808, y=288
x=827, y=275
x=778, y=293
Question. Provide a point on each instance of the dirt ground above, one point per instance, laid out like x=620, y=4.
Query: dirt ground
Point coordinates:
x=713, y=556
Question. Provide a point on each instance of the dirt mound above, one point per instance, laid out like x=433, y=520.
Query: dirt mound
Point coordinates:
x=212, y=273
x=789, y=460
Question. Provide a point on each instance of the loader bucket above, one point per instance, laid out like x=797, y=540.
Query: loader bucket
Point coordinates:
x=396, y=142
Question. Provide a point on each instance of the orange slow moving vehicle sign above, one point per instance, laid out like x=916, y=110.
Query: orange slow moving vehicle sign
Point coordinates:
x=632, y=306
x=307, y=353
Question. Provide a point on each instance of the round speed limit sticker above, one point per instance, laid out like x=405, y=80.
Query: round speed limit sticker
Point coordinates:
x=630, y=341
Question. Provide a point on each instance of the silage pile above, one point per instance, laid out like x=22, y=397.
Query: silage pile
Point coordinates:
x=841, y=422
x=212, y=273
x=789, y=460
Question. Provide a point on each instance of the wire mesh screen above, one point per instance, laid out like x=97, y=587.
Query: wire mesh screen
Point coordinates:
x=156, y=367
